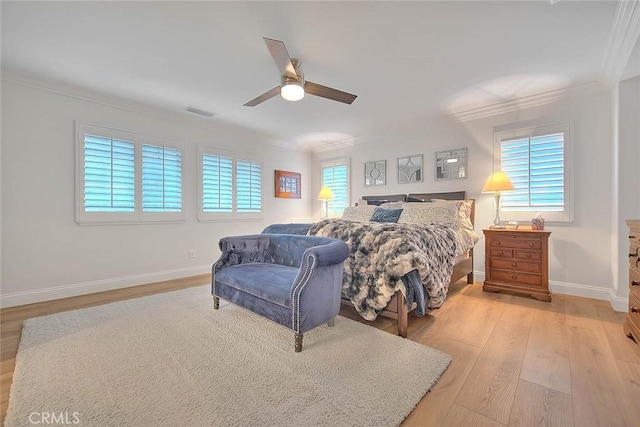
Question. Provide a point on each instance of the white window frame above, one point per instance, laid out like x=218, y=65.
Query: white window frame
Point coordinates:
x=111, y=218
x=535, y=129
x=343, y=161
x=234, y=214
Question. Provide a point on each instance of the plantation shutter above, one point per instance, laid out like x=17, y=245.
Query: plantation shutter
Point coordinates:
x=336, y=178
x=161, y=179
x=248, y=186
x=536, y=167
x=217, y=183
x=109, y=174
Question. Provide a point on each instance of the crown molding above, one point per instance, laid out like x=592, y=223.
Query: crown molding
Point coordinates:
x=622, y=39
x=517, y=104
x=100, y=98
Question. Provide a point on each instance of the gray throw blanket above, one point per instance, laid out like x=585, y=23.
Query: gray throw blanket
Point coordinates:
x=381, y=253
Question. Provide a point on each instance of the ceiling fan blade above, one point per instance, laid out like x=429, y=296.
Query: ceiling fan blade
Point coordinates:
x=267, y=95
x=329, y=93
x=281, y=57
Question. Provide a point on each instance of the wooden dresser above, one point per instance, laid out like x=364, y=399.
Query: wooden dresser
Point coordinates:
x=517, y=260
x=632, y=323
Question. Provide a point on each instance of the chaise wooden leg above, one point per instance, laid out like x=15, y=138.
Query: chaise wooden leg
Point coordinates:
x=216, y=302
x=298, y=343
x=331, y=322
x=470, y=278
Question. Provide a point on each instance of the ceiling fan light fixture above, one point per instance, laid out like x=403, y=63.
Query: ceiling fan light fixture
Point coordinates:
x=292, y=90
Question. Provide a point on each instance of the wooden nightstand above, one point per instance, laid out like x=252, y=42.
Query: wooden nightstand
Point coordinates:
x=632, y=322
x=517, y=260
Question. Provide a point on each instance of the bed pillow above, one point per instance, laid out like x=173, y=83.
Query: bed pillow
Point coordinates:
x=386, y=215
x=391, y=205
x=358, y=213
x=429, y=213
x=464, y=212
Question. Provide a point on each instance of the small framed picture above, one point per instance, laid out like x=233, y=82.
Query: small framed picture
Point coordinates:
x=410, y=169
x=375, y=173
x=288, y=184
x=451, y=164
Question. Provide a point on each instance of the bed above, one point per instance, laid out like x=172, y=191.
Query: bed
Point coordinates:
x=407, y=264
x=397, y=307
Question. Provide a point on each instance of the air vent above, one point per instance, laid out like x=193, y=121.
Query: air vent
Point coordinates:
x=199, y=111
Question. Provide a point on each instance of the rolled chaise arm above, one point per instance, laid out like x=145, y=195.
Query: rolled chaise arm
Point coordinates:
x=243, y=249
x=315, y=295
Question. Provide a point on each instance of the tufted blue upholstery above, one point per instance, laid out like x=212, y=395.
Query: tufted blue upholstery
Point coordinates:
x=294, y=280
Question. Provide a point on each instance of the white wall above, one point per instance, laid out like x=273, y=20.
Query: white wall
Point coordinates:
x=628, y=188
x=579, y=252
x=47, y=255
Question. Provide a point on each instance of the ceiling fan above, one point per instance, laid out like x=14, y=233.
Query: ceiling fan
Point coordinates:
x=293, y=86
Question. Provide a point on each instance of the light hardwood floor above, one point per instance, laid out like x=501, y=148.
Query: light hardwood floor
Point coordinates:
x=516, y=361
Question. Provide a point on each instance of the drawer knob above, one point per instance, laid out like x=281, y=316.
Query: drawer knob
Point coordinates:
x=513, y=264
x=514, y=277
x=498, y=243
x=530, y=245
x=528, y=256
x=500, y=253
x=634, y=283
x=634, y=309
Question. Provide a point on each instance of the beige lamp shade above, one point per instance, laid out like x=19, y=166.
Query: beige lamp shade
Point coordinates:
x=325, y=193
x=498, y=181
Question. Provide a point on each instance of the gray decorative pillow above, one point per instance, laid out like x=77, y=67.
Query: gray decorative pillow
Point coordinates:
x=386, y=215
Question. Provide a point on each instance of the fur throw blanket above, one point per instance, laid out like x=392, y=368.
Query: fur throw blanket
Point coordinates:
x=381, y=253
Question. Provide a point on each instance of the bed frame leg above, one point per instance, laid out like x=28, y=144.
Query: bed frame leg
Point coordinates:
x=331, y=322
x=470, y=278
x=403, y=315
x=216, y=302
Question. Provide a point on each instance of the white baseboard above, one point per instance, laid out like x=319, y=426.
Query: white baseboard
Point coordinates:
x=578, y=290
x=65, y=291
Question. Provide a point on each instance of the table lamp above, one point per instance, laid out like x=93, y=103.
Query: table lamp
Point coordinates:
x=325, y=195
x=496, y=184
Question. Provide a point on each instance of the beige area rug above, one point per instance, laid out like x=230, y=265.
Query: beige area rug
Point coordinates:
x=172, y=360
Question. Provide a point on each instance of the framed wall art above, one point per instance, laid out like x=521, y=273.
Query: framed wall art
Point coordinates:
x=375, y=173
x=288, y=184
x=451, y=164
x=410, y=169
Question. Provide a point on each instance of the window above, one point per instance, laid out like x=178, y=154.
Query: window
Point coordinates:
x=536, y=161
x=109, y=174
x=248, y=186
x=123, y=177
x=161, y=179
x=335, y=175
x=230, y=185
x=217, y=183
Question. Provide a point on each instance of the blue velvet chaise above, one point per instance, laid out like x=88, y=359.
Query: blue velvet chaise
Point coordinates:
x=293, y=280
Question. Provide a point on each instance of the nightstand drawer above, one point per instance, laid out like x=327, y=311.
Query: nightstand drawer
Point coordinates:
x=503, y=242
x=516, y=277
x=513, y=265
x=529, y=255
x=502, y=253
x=634, y=237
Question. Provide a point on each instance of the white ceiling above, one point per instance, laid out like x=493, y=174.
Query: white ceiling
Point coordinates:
x=405, y=61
